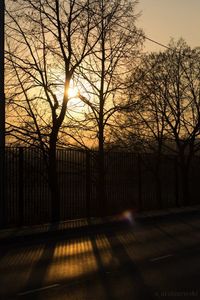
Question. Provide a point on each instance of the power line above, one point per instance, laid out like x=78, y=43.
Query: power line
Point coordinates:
x=154, y=41
x=167, y=47
x=158, y=43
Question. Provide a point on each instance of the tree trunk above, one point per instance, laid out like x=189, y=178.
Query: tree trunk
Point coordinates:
x=53, y=180
x=101, y=174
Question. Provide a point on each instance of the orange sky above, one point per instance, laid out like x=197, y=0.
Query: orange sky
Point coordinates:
x=163, y=19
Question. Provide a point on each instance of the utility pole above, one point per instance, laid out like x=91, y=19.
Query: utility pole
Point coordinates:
x=2, y=116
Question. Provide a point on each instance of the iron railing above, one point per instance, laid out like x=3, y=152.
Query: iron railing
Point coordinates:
x=132, y=181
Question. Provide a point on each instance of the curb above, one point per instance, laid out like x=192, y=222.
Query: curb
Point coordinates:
x=83, y=227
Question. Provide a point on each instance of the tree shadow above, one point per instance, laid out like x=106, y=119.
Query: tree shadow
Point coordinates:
x=40, y=269
x=123, y=279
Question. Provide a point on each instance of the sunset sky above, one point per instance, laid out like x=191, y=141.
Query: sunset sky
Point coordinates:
x=163, y=19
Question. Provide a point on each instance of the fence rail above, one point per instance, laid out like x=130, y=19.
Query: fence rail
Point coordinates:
x=132, y=181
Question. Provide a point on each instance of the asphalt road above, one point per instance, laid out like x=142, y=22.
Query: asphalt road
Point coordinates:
x=157, y=258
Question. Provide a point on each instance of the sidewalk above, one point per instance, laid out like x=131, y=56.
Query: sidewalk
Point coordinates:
x=83, y=226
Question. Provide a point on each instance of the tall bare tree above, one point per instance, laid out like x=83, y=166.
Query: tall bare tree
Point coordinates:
x=49, y=43
x=105, y=73
x=47, y=40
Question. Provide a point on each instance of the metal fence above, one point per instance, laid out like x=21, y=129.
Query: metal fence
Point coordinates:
x=131, y=182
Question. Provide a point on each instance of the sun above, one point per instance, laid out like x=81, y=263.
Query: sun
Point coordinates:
x=73, y=92
x=74, y=96
x=76, y=107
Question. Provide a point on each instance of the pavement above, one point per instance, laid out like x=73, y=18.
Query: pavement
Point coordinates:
x=78, y=226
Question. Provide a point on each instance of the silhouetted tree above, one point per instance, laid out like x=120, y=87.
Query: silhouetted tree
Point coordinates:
x=105, y=73
x=49, y=43
x=46, y=42
x=166, y=89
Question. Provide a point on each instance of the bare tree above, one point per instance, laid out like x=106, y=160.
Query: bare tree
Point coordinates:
x=46, y=40
x=105, y=71
x=169, y=99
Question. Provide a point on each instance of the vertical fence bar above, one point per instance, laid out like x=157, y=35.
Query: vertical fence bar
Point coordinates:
x=88, y=184
x=2, y=188
x=21, y=186
x=139, y=183
x=176, y=181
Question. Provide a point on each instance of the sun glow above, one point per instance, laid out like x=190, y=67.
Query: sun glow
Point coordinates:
x=76, y=107
x=73, y=92
x=75, y=104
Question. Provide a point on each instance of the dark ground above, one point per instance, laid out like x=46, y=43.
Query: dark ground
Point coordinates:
x=155, y=258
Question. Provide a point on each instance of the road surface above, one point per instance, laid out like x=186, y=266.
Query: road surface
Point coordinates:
x=157, y=258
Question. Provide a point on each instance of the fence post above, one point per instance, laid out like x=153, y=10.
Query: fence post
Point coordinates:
x=2, y=189
x=139, y=184
x=21, y=186
x=88, y=183
x=176, y=181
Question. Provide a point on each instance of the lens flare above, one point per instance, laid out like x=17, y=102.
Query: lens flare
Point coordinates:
x=128, y=216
